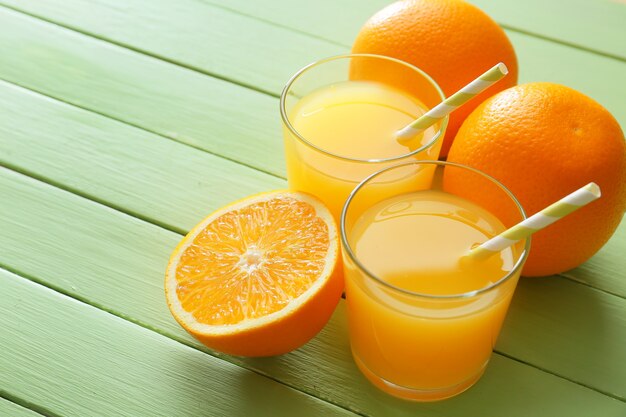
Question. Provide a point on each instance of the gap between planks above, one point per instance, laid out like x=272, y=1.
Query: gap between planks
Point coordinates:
x=573, y=278
x=32, y=407
x=564, y=43
x=504, y=26
x=138, y=215
x=608, y=394
x=127, y=123
x=215, y=76
x=230, y=359
x=137, y=330
x=144, y=52
x=233, y=359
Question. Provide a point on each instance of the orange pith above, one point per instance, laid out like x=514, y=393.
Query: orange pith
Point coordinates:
x=259, y=277
x=242, y=265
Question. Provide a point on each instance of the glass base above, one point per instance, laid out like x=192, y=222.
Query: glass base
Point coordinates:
x=413, y=394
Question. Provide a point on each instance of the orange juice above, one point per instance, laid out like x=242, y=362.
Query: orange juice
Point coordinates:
x=425, y=326
x=348, y=129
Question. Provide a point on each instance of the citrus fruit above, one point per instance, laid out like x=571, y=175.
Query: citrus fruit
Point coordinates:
x=544, y=141
x=257, y=277
x=451, y=40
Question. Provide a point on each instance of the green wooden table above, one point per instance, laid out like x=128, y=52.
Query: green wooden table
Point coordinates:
x=120, y=128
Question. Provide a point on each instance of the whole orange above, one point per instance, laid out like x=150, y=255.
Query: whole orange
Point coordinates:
x=453, y=41
x=543, y=141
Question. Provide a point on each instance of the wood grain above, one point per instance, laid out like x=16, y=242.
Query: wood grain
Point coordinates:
x=139, y=172
x=197, y=35
x=556, y=321
x=199, y=32
x=116, y=262
x=191, y=108
x=593, y=25
x=78, y=360
x=178, y=103
x=10, y=409
x=572, y=22
x=160, y=97
x=607, y=265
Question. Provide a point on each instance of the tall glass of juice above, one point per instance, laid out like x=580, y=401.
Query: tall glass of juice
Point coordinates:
x=340, y=116
x=423, y=317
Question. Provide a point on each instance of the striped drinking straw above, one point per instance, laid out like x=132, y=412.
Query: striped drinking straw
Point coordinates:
x=450, y=104
x=538, y=221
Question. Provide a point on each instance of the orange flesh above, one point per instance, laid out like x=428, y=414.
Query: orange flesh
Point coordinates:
x=252, y=261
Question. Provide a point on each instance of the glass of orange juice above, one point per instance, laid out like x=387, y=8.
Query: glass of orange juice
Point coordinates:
x=423, y=318
x=340, y=116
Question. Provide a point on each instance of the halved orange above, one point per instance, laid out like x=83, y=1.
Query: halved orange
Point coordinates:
x=258, y=277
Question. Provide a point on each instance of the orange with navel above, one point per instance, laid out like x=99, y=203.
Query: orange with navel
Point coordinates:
x=258, y=277
x=451, y=40
x=544, y=141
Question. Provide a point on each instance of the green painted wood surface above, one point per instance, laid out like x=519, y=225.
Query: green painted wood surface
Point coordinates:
x=194, y=34
x=115, y=262
x=171, y=101
x=608, y=265
x=596, y=25
x=118, y=368
x=570, y=329
x=77, y=360
x=539, y=60
x=181, y=104
x=10, y=409
x=274, y=52
x=128, y=168
x=573, y=22
x=121, y=257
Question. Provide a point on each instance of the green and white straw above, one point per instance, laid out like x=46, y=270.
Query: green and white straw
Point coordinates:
x=538, y=221
x=450, y=104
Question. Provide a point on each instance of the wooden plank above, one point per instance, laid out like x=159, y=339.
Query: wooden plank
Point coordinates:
x=596, y=26
x=195, y=34
x=159, y=97
x=116, y=262
x=181, y=104
x=199, y=32
x=545, y=61
x=556, y=321
x=539, y=60
x=78, y=360
x=159, y=180
x=607, y=265
x=10, y=409
x=139, y=172
x=593, y=25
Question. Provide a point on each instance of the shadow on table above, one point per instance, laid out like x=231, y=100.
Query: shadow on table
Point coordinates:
x=213, y=387
x=568, y=329
x=551, y=323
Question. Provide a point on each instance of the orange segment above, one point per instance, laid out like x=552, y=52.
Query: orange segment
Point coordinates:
x=243, y=264
x=251, y=269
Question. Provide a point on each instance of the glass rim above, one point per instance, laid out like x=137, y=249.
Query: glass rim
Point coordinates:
x=292, y=129
x=347, y=249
